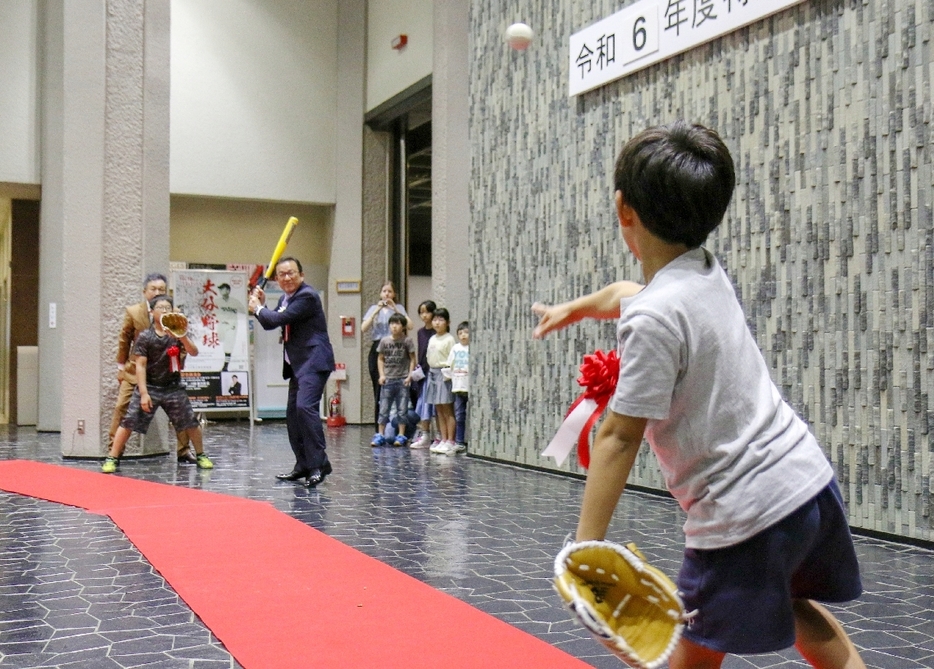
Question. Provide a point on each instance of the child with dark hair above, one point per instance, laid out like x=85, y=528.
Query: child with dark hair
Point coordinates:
x=422, y=439
x=458, y=370
x=158, y=384
x=376, y=324
x=396, y=360
x=766, y=533
x=439, y=388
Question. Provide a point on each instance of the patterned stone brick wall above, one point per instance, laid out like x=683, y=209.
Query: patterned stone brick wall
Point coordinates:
x=826, y=108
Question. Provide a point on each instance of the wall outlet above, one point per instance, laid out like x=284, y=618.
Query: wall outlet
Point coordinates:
x=80, y=427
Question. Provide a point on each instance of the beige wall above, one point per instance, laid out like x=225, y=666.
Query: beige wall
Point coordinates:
x=19, y=83
x=390, y=71
x=221, y=230
x=254, y=89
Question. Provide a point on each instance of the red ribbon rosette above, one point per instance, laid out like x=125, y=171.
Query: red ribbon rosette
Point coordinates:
x=599, y=373
x=174, y=365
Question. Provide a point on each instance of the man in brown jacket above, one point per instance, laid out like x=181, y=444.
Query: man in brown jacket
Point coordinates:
x=136, y=320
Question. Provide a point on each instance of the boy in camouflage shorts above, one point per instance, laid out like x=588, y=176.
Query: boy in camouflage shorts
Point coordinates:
x=158, y=368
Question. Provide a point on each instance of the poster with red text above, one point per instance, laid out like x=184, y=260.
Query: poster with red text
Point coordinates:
x=215, y=302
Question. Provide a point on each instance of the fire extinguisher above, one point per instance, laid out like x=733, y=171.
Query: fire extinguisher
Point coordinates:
x=335, y=417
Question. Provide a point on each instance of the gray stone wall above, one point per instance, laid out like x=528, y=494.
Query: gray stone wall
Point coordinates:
x=826, y=108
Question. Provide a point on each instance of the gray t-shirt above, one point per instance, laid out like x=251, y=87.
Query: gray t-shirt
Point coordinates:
x=396, y=356
x=733, y=453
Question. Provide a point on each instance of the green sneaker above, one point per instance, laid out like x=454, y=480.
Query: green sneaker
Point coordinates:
x=204, y=462
x=109, y=466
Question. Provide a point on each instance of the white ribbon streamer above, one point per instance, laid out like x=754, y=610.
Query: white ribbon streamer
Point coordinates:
x=567, y=435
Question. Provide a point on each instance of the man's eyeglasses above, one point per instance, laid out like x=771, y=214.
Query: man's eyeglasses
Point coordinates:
x=162, y=308
x=291, y=274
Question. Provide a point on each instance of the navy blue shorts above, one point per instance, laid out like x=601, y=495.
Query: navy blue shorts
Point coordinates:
x=743, y=594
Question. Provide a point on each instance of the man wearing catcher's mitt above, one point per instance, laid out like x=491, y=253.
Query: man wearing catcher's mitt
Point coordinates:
x=766, y=533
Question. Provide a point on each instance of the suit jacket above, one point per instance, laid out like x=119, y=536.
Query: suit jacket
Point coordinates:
x=304, y=332
x=135, y=320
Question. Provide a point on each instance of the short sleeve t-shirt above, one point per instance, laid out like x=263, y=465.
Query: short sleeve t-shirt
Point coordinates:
x=732, y=451
x=396, y=354
x=156, y=350
x=439, y=348
x=381, y=316
x=459, y=362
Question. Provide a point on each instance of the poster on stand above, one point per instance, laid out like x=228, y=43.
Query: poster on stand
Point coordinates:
x=214, y=301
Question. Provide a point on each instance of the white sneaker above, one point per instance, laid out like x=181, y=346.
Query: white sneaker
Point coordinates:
x=439, y=447
x=460, y=447
x=447, y=448
x=421, y=440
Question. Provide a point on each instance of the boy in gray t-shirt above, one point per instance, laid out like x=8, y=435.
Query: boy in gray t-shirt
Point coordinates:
x=766, y=535
x=396, y=361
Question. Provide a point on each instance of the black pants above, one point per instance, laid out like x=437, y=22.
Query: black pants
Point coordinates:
x=374, y=377
x=303, y=419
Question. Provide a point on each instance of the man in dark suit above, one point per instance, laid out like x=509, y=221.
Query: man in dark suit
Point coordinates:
x=235, y=388
x=308, y=361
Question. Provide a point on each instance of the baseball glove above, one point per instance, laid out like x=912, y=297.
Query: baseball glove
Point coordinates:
x=175, y=323
x=627, y=604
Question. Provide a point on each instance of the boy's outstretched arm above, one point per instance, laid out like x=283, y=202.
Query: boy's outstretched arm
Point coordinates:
x=611, y=458
x=602, y=304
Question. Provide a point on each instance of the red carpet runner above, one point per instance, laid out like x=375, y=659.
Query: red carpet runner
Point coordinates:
x=279, y=594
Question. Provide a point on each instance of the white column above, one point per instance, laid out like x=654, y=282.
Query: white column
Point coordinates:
x=450, y=159
x=105, y=217
x=346, y=242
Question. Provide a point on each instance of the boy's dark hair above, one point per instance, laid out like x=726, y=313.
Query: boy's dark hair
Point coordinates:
x=679, y=179
x=154, y=276
x=399, y=318
x=463, y=326
x=429, y=305
x=224, y=285
x=290, y=259
x=441, y=312
x=160, y=298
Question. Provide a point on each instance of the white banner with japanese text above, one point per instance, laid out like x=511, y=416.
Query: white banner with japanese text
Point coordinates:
x=215, y=303
x=649, y=31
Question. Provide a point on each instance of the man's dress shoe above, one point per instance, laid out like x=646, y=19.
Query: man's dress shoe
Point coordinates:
x=187, y=458
x=293, y=475
x=318, y=475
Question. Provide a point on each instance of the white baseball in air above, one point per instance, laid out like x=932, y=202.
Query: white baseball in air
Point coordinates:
x=519, y=36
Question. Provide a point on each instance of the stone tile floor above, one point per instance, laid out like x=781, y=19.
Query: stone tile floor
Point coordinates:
x=75, y=593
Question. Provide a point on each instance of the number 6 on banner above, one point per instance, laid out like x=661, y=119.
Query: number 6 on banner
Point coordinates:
x=641, y=34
